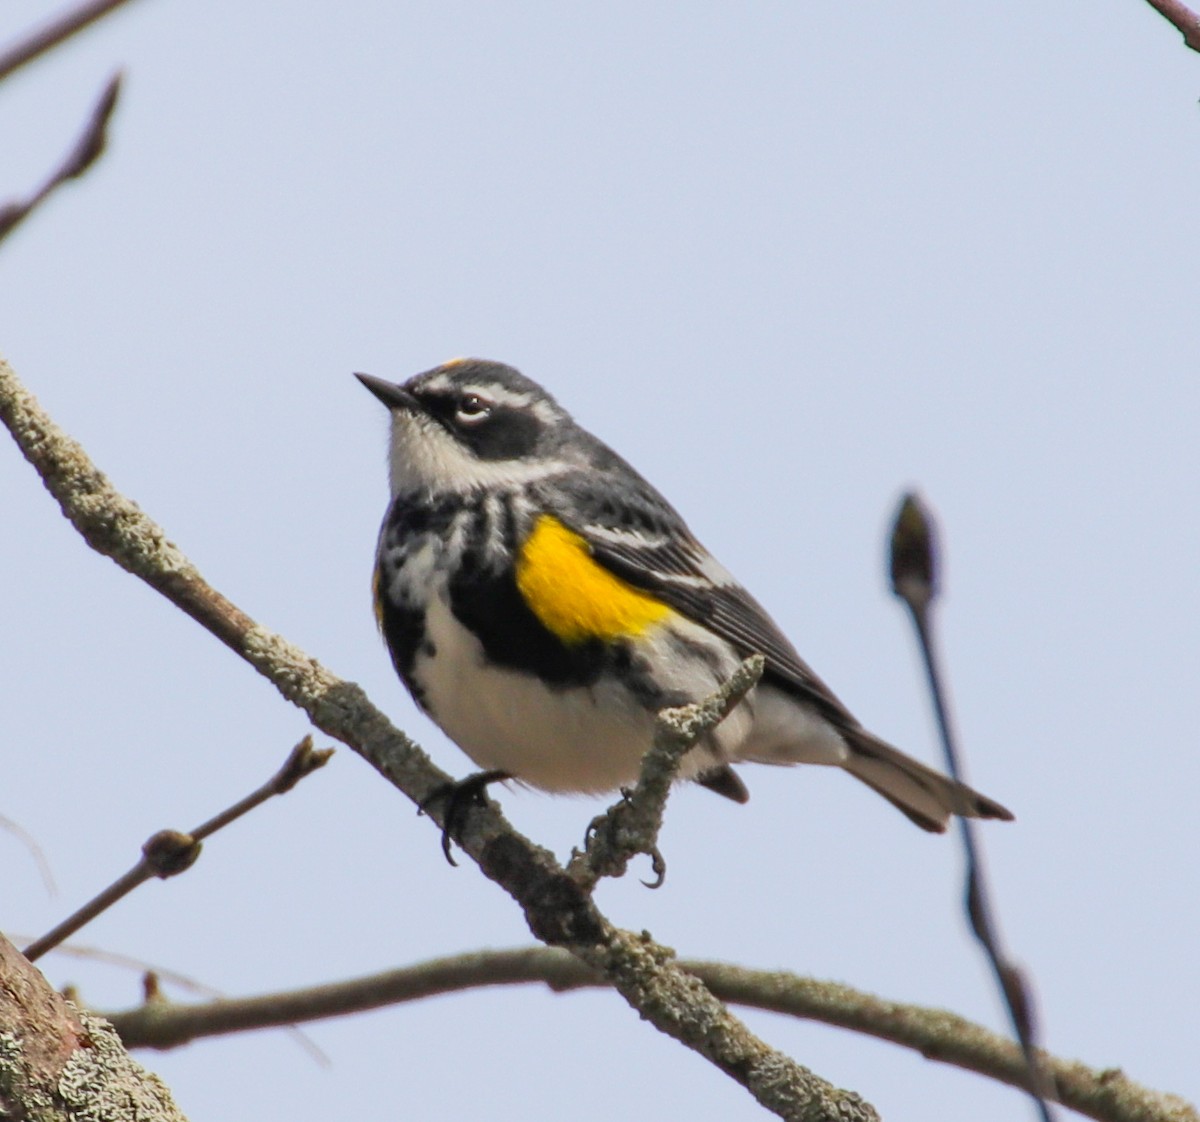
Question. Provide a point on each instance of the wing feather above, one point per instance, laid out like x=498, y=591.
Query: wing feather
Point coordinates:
x=644, y=541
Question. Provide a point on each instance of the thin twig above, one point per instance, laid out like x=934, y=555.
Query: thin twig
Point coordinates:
x=302, y=761
x=86, y=150
x=35, y=851
x=631, y=826
x=169, y=852
x=915, y=581
x=49, y=35
x=1186, y=22
x=557, y=910
x=1109, y=1096
x=152, y=975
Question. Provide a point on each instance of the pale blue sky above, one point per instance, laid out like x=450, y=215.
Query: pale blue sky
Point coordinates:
x=789, y=260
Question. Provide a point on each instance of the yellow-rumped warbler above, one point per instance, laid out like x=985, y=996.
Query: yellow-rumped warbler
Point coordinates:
x=542, y=602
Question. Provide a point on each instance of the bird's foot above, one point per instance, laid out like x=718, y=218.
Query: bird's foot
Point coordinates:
x=460, y=797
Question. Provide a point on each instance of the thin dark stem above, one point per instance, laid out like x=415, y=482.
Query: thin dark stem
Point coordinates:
x=85, y=152
x=49, y=35
x=914, y=579
x=303, y=760
x=98, y=904
x=977, y=900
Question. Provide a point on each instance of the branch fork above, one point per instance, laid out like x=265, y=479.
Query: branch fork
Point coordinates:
x=631, y=825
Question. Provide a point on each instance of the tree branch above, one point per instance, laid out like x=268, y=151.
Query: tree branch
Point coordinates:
x=58, y=30
x=1182, y=18
x=557, y=910
x=1108, y=1096
x=60, y=1065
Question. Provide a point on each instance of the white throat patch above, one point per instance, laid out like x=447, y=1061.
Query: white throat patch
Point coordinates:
x=424, y=457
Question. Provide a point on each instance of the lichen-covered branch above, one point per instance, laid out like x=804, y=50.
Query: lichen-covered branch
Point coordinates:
x=557, y=909
x=60, y=1065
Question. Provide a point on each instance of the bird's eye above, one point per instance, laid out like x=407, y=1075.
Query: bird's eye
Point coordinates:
x=472, y=409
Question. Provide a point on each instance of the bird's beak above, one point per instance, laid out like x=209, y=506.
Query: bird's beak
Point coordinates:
x=393, y=396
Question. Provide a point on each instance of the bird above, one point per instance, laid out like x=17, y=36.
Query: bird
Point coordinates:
x=542, y=602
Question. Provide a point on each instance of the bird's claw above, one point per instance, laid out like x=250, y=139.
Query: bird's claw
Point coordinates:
x=460, y=797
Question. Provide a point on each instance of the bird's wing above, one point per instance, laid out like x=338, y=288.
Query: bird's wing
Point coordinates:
x=645, y=542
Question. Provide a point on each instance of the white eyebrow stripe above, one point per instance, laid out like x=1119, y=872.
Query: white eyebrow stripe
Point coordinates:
x=518, y=399
x=441, y=382
x=445, y=381
x=500, y=395
x=547, y=413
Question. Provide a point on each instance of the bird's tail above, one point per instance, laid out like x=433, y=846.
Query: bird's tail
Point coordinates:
x=926, y=796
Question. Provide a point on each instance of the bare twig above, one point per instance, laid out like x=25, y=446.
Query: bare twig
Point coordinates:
x=557, y=910
x=35, y=851
x=152, y=976
x=128, y=962
x=49, y=35
x=631, y=825
x=1106, y=1095
x=86, y=151
x=302, y=761
x=1182, y=17
x=915, y=581
x=169, y=852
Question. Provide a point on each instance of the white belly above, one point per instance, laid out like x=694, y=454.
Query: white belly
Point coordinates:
x=578, y=738
x=591, y=739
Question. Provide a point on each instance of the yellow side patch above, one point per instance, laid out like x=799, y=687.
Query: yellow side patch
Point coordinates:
x=572, y=594
x=377, y=598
